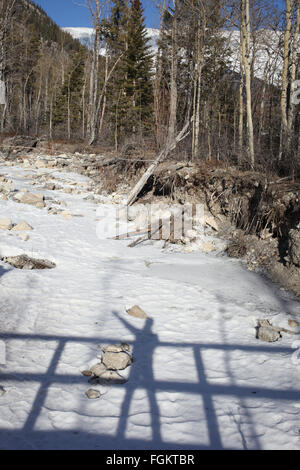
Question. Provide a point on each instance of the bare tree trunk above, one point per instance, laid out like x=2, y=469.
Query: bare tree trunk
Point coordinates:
x=245, y=42
x=173, y=90
x=291, y=107
x=241, y=103
x=163, y=154
x=284, y=85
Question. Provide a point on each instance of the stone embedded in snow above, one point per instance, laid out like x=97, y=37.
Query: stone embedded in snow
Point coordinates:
x=116, y=347
x=25, y=262
x=112, y=376
x=34, y=199
x=113, y=348
x=98, y=369
x=116, y=360
x=50, y=186
x=66, y=215
x=92, y=394
x=86, y=373
x=2, y=391
x=137, y=312
x=20, y=227
x=266, y=333
x=5, y=224
x=207, y=247
x=24, y=236
x=293, y=323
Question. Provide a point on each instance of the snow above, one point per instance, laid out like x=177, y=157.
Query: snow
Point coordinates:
x=85, y=36
x=200, y=379
x=267, y=60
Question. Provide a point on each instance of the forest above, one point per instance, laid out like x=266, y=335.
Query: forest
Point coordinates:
x=228, y=69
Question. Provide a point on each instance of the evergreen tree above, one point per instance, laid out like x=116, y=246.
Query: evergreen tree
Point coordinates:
x=130, y=91
x=68, y=105
x=137, y=67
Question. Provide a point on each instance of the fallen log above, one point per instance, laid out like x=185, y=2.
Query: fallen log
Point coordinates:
x=163, y=154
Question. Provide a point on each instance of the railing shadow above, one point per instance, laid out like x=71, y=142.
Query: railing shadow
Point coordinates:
x=141, y=376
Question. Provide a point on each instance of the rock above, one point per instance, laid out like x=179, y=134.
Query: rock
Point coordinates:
x=294, y=245
x=24, y=236
x=34, y=199
x=66, y=215
x=116, y=360
x=2, y=391
x=98, y=369
x=5, y=224
x=293, y=323
x=137, y=312
x=6, y=185
x=207, y=247
x=86, y=373
x=265, y=332
x=50, y=186
x=40, y=205
x=113, y=348
x=112, y=376
x=92, y=394
x=25, y=262
x=20, y=227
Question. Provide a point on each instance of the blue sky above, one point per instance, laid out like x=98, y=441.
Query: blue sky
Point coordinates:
x=70, y=13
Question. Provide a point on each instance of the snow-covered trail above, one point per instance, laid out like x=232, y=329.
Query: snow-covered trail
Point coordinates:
x=200, y=379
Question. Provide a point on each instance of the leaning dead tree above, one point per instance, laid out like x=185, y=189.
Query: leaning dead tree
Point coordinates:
x=162, y=156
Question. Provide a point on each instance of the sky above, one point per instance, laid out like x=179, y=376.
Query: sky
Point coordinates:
x=73, y=13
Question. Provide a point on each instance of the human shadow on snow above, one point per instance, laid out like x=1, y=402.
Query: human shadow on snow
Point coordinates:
x=141, y=376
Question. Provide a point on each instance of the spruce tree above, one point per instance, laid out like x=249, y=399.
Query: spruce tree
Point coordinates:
x=130, y=90
x=68, y=104
x=138, y=71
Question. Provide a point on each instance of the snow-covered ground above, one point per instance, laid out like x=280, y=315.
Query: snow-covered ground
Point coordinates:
x=200, y=379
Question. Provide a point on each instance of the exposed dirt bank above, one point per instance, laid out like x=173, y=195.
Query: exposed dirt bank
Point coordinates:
x=259, y=215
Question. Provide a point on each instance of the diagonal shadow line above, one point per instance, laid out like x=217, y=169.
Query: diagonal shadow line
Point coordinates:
x=42, y=392
x=227, y=356
x=147, y=378
x=211, y=418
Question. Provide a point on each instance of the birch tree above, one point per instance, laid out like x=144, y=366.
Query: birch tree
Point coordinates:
x=245, y=51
